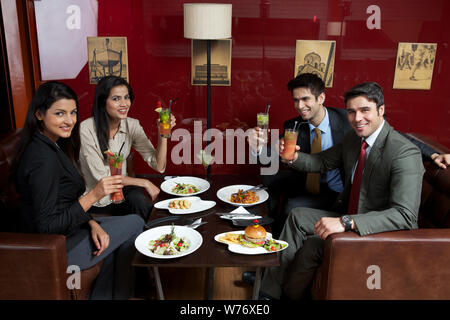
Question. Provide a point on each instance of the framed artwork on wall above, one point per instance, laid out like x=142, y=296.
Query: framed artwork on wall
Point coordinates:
x=220, y=62
x=107, y=56
x=414, y=65
x=315, y=56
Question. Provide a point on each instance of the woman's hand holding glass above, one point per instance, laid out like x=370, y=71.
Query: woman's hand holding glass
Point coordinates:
x=108, y=185
x=173, y=122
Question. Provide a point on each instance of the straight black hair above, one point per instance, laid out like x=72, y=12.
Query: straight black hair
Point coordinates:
x=307, y=80
x=47, y=94
x=99, y=112
x=371, y=90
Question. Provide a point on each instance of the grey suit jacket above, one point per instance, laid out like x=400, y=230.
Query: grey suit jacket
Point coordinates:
x=391, y=183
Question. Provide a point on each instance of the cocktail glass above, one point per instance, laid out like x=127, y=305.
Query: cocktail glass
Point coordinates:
x=290, y=141
x=164, y=123
x=115, y=165
x=262, y=121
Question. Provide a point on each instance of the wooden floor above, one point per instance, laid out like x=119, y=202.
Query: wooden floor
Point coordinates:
x=190, y=284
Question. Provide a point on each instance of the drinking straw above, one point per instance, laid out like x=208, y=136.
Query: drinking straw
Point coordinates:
x=121, y=148
x=170, y=104
x=267, y=108
x=295, y=126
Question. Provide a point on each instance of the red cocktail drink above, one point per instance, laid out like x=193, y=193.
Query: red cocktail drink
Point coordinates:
x=115, y=165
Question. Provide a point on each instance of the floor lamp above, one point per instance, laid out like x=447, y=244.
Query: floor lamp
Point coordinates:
x=207, y=21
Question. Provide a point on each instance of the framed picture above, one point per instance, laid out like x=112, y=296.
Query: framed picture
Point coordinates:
x=315, y=56
x=414, y=65
x=220, y=62
x=107, y=56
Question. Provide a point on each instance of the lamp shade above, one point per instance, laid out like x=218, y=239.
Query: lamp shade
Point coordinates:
x=207, y=21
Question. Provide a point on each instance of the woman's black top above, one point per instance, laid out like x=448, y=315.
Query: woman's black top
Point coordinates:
x=49, y=185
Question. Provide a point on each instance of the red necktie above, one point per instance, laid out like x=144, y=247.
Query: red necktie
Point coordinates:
x=356, y=185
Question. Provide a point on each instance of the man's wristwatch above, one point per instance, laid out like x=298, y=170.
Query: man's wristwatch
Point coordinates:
x=347, y=222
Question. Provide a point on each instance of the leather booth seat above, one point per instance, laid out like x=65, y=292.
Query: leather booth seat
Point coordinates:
x=406, y=264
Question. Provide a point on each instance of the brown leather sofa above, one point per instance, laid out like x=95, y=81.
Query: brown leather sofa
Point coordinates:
x=32, y=266
x=407, y=264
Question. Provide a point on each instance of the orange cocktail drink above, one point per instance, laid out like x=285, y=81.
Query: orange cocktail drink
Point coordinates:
x=290, y=141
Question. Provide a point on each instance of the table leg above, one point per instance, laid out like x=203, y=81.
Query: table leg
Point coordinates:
x=257, y=283
x=159, y=291
x=210, y=283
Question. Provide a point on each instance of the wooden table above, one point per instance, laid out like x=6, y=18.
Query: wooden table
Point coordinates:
x=212, y=254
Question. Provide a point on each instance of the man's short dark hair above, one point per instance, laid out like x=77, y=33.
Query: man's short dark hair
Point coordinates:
x=371, y=90
x=307, y=80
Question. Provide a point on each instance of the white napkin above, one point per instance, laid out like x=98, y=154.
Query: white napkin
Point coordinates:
x=241, y=210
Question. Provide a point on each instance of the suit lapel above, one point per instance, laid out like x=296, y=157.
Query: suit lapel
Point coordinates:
x=65, y=161
x=303, y=139
x=375, y=153
x=351, y=156
x=337, y=131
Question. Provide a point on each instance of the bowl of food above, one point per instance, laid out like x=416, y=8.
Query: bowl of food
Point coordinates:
x=185, y=186
x=236, y=195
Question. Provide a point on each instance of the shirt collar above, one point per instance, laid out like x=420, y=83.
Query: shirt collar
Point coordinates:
x=122, y=126
x=324, y=125
x=373, y=137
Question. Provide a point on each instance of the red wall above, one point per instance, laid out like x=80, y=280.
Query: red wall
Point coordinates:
x=263, y=53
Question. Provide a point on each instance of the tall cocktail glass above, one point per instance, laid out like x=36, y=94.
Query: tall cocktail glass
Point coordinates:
x=290, y=141
x=262, y=121
x=115, y=165
x=164, y=123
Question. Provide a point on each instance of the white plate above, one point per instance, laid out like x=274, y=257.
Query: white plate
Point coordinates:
x=168, y=185
x=194, y=237
x=237, y=248
x=197, y=205
x=224, y=194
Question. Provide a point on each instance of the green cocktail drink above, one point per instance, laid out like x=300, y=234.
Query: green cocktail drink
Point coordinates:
x=262, y=121
x=164, y=123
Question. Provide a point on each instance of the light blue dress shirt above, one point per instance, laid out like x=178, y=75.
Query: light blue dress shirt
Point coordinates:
x=331, y=178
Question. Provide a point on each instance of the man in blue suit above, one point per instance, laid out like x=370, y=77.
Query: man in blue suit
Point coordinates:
x=299, y=188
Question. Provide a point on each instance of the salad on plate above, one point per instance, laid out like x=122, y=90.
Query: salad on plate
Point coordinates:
x=185, y=188
x=169, y=244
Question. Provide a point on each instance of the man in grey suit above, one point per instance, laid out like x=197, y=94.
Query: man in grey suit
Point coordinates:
x=382, y=175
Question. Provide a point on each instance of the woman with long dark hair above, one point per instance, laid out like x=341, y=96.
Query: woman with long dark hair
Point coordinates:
x=110, y=128
x=51, y=191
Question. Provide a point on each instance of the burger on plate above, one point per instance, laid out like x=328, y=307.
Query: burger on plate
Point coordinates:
x=254, y=236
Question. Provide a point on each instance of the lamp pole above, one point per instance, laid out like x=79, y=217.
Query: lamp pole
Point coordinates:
x=207, y=21
x=208, y=95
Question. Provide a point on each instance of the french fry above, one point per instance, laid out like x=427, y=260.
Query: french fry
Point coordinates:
x=230, y=238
